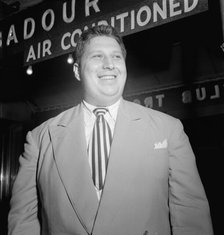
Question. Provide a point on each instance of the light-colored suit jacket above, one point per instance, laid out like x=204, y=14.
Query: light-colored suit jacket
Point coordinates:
x=152, y=184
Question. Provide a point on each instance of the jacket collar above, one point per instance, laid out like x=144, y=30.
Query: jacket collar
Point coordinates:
x=125, y=108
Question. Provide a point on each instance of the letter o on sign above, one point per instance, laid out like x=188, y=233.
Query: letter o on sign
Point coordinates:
x=49, y=12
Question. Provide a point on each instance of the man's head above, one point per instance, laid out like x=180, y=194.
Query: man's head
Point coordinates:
x=100, y=65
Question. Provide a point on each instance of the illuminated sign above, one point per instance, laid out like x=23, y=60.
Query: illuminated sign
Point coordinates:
x=51, y=28
x=201, y=98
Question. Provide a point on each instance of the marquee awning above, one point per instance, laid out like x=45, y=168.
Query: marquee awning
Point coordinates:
x=51, y=28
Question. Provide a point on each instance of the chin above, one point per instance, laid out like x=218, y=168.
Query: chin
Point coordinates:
x=107, y=101
x=112, y=92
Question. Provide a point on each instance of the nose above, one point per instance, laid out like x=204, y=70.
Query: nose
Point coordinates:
x=108, y=62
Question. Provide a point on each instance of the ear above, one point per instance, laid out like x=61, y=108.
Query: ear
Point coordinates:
x=76, y=71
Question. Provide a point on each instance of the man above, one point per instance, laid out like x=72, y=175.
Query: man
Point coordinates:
x=147, y=184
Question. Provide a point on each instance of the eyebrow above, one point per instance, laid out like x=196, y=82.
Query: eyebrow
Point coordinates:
x=101, y=51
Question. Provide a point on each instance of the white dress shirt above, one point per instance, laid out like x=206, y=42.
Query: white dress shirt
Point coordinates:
x=89, y=120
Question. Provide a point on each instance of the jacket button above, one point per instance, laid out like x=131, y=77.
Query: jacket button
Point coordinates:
x=146, y=232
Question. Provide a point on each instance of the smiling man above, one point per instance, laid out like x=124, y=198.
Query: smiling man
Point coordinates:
x=108, y=166
x=102, y=70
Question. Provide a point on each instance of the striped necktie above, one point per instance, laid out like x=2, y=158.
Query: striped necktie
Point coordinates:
x=99, y=147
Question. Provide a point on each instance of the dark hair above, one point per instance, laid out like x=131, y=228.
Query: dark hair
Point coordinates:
x=100, y=30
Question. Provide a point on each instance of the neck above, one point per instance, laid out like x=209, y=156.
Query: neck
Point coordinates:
x=101, y=104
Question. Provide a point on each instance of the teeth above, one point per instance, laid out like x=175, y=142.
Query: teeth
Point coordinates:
x=107, y=77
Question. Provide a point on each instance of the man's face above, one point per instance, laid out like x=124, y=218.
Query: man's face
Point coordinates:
x=103, y=71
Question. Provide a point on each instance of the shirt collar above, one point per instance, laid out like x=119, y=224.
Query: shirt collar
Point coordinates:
x=113, y=109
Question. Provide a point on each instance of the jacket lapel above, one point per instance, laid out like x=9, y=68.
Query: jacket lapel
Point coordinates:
x=128, y=139
x=70, y=152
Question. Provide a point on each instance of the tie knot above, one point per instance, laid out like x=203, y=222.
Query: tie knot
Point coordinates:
x=100, y=111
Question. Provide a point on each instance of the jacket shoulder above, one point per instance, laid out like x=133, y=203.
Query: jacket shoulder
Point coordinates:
x=64, y=116
x=152, y=113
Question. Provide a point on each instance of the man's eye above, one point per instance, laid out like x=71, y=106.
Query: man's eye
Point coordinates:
x=117, y=56
x=97, y=56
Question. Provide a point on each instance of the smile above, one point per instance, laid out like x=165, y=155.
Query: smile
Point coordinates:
x=107, y=77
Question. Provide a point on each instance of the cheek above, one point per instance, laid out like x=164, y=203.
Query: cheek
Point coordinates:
x=88, y=73
x=87, y=70
x=122, y=68
x=123, y=74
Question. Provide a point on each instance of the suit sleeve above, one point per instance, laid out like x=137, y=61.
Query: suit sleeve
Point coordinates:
x=23, y=219
x=189, y=209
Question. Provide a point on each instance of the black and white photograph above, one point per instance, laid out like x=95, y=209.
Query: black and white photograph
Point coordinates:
x=111, y=117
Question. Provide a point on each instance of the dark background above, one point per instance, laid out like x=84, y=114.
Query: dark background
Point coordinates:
x=185, y=52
